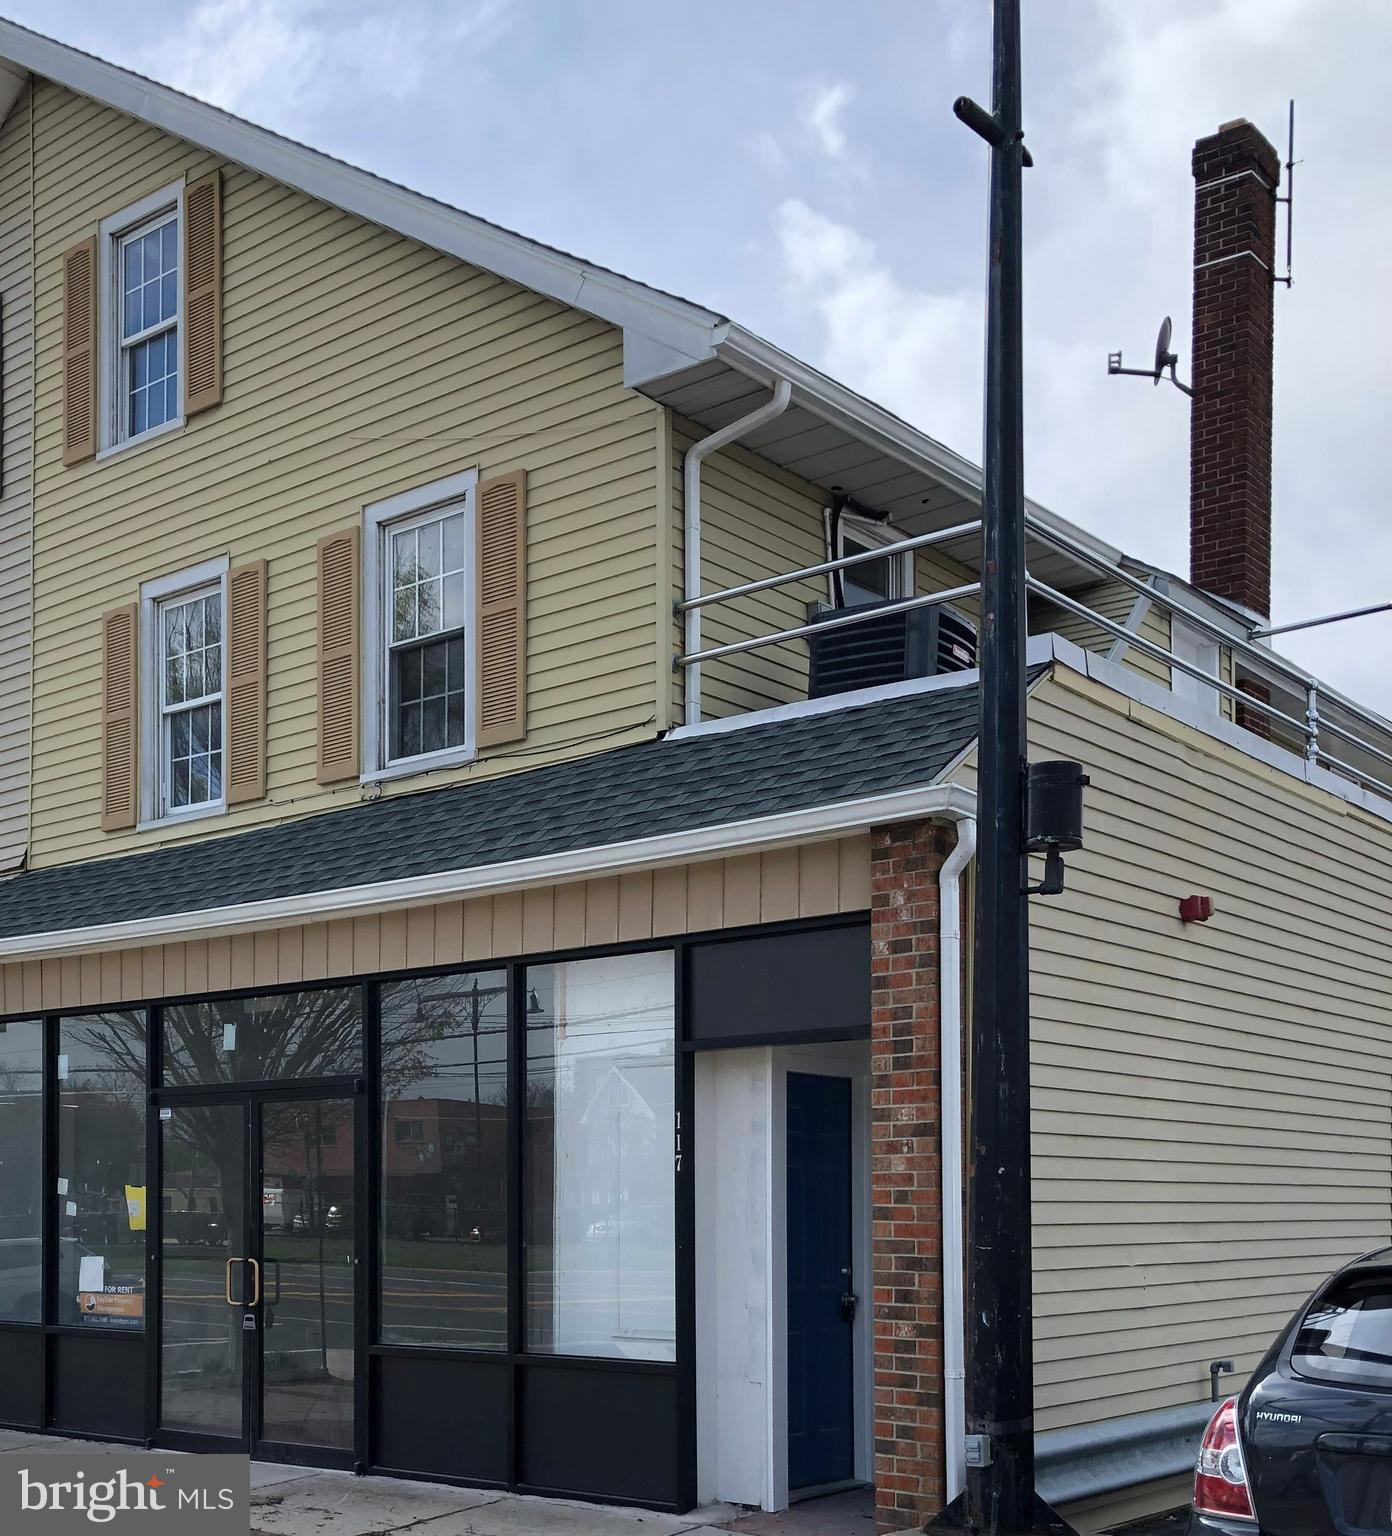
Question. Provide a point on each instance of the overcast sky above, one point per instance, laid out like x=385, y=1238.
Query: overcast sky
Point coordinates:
x=795, y=165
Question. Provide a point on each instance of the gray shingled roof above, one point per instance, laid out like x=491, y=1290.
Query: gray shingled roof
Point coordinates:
x=632, y=792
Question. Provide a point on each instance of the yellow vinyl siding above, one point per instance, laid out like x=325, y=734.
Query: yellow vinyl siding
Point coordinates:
x=358, y=364
x=1212, y=1103
x=759, y=521
x=756, y=521
x=815, y=880
x=16, y=500
x=1113, y=601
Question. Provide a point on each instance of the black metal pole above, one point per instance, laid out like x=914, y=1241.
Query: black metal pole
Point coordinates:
x=1000, y=1496
x=1000, y=1379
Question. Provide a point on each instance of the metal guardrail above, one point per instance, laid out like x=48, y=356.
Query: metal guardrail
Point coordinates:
x=1094, y=1460
x=1309, y=727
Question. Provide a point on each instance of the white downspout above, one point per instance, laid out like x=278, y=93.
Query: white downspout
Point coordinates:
x=950, y=1071
x=782, y=393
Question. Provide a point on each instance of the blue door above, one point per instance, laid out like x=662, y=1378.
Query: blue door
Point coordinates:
x=821, y=1392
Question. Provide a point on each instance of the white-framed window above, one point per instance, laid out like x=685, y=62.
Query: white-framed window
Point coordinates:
x=418, y=627
x=872, y=581
x=140, y=259
x=183, y=691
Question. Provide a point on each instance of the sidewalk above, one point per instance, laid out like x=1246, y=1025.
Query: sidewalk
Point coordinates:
x=304, y=1501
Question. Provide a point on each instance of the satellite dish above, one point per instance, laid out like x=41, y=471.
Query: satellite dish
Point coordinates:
x=1164, y=359
x=1163, y=356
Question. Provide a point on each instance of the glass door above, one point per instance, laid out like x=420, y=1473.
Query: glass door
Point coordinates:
x=307, y=1252
x=205, y=1270
x=258, y=1298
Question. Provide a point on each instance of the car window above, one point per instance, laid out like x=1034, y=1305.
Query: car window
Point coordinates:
x=1346, y=1335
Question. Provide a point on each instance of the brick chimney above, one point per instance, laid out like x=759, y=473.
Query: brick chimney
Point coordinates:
x=1236, y=173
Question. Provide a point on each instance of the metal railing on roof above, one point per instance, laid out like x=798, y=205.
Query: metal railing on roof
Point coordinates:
x=1310, y=728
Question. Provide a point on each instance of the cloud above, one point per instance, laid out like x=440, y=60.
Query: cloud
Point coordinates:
x=913, y=351
x=768, y=151
x=283, y=60
x=1109, y=212
x=823, y=117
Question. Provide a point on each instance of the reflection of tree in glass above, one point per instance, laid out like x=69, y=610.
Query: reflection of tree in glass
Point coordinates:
x=286, y=1036
x=421, y=1022
x=415, y=605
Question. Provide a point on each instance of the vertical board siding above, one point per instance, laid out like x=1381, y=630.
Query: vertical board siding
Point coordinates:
x=357, y=364
x=17, y=494
x=1212, y=1104
x=817, y=880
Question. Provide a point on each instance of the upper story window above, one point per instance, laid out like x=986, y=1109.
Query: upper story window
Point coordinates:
x=425, y=650
x=418, y=590
x=142, y=287
x=183, y=620
x=149, y=364
x=872, y=581
x=191, y=699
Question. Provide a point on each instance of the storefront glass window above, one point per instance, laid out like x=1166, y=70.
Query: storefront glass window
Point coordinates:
x=281, y=1035
x=21, y=1170
x=445, y=1160
x=101, y=1197
x=599, y=1189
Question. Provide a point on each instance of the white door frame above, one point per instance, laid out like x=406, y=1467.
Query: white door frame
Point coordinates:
x=742, y=1270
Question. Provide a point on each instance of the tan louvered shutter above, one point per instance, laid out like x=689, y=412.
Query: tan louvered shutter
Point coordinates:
x=338, y=656
x=502, y=609
x=246, y=682
x=203, y=294
x=120, y=724
x=80, y=352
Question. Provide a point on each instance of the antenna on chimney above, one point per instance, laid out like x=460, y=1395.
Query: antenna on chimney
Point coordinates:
x=1289, y=198
x=1164, y=358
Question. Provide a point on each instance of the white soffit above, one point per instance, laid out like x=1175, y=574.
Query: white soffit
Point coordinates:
x=12, y=82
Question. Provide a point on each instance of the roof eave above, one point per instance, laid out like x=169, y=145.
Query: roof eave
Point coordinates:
x=608, y=296
x=936, y=800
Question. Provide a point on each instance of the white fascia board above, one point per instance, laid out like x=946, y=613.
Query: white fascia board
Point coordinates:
x=872, y=424
x=606, y=295
x=949, y=802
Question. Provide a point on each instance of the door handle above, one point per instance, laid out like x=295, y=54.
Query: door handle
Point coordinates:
x=255, y=1283
x=227, y=1282
x=849, y=1300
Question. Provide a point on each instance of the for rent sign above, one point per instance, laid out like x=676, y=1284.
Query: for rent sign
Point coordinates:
x=56, y=1494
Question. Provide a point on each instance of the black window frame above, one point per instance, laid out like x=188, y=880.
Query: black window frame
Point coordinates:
x=650, y=1450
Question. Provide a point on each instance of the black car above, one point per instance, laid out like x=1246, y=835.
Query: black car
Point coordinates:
x=1306, y=1448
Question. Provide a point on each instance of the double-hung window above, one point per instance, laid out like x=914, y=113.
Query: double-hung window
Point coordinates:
x=150, y=325
x=141, y=278
x=419, y=585
x=183, y=624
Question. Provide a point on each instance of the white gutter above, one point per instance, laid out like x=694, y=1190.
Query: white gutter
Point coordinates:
x=953, y=1178
x=869, y=423
x=784, y=828
x=782, y=393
